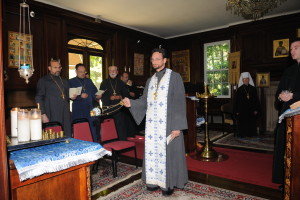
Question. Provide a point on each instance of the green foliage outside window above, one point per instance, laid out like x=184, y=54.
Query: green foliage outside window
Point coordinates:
x=96, y=70
x=216, y=68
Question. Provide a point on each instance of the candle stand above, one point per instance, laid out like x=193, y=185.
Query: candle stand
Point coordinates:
x=207, y=153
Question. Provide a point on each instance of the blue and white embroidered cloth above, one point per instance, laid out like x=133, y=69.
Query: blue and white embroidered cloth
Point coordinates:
x=289, y=113
x=156, y=129
x=55, y=157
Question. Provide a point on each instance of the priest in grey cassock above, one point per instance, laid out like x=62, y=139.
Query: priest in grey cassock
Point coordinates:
x=163, y=103
x=53, y=97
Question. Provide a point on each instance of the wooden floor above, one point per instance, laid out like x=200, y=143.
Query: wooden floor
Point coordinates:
x=228, y=184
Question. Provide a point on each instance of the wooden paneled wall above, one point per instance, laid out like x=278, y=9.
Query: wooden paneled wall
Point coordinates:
x=253, y=39
x=51, y=29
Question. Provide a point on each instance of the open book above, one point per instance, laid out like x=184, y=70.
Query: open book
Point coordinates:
x=74, y=91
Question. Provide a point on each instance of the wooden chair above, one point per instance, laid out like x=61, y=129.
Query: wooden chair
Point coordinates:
x=110, y=141
x=81, y=130
x=228, y=120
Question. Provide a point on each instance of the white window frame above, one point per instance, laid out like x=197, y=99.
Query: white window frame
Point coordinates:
x=205, y=65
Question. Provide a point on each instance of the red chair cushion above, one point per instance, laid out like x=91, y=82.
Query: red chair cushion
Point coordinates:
x=118, y=145
x=108, y=130
x=82, y=131
x=54, y=128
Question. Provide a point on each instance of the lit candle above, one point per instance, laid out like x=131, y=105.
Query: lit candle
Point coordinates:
x=35, y=124
x=129, y=69
x=14, y=122
x=125, y=68
x=23, y=126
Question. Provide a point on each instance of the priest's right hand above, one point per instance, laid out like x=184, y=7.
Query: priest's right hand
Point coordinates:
x=126, y=102
x=45, y=118
x=74, y=97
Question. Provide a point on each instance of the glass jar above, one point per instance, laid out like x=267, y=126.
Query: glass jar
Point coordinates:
x=35, y=124
x=14, y=121
x=23, y=125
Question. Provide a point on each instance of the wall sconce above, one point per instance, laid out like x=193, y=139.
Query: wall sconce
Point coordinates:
x=25, y=55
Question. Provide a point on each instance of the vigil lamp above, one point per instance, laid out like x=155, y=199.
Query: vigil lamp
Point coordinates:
x=25, y=43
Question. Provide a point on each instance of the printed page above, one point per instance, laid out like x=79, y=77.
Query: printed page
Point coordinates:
x=74, y=91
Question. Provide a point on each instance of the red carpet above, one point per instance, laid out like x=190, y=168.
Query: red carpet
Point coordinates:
x=244, y=166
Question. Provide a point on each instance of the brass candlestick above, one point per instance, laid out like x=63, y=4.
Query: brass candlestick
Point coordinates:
x=207, y=153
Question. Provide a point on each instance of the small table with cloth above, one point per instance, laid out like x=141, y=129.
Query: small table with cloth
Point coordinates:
x=59, y=170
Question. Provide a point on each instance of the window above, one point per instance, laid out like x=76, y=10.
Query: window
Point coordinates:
x=216, y=68
x=88, y=52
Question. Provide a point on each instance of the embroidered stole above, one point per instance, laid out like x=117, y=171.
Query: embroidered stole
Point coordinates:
x=156, y=125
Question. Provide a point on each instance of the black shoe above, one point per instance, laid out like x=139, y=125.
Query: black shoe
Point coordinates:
x=152, y=188
x=168, y=192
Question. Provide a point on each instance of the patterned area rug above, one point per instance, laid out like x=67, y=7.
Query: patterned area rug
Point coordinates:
x=103, y=179
x=262, y=142
x=137, y=190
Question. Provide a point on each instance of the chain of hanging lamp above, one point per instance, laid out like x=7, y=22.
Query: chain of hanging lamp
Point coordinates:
x=25, y=55
x=252, y=9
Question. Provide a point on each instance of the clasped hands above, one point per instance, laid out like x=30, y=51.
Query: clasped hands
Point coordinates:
x=115, y=97
x=285, y=96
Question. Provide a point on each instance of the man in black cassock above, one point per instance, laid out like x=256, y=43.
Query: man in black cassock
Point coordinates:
x=246, y=106
x=132, y=127
x=115, y=90
x=84, y=103
x=53, y=97
x=288, y=92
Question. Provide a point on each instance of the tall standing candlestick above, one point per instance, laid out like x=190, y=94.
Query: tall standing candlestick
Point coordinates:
x=23, y=126
x=205, y=88
x=14, y=122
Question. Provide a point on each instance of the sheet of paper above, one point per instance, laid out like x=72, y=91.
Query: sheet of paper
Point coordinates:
x=100, y=92
x=74, y=91
x=169, y=139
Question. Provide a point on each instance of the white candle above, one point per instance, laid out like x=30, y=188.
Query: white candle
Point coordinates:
x=35, y=124
x=14, y=122
x=23, y=126
x=23, y=130
x=14, y=140
x=36, y=129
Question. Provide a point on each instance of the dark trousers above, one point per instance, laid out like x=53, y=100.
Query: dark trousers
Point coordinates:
x=120, y=123
x=278, y=159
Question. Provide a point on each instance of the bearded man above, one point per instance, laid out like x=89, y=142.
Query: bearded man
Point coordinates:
x=115, y=90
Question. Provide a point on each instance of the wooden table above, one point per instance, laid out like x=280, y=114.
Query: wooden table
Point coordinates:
x=69, y=184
